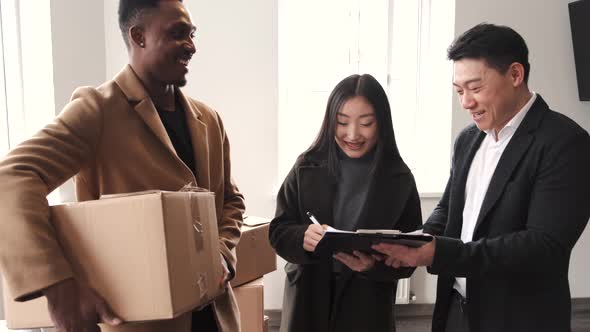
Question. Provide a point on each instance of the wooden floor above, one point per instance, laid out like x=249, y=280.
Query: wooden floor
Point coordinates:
x=580, y=323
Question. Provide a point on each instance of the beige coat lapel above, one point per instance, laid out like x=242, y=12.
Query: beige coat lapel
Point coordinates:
x=198, y=132
x=143, y=105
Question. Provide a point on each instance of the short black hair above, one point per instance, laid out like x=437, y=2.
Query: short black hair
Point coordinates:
x=130, y=13
x=364, y=86
x=498, y=45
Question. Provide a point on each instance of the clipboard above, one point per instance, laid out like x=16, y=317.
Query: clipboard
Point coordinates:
x=338, y=241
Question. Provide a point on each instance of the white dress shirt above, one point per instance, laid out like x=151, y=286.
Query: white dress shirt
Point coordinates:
x=480, y=173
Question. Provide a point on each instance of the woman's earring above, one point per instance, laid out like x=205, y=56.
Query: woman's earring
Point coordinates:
x=141, y=44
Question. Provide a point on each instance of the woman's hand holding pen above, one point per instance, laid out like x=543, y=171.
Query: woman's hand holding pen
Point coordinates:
x=313, y=235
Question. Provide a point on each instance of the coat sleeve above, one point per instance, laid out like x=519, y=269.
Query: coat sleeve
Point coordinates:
x=233, y=210
x=557, y=213
x=30, y=256
x=410, y=220
x=286, y=231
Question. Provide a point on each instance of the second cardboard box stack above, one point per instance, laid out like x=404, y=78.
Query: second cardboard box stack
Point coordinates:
x=255, y=259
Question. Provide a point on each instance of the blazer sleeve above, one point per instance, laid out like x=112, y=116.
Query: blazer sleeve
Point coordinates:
x=30, y=256
x=557, y=213
x=410, y=220
x=286, y=231
x=233, y=210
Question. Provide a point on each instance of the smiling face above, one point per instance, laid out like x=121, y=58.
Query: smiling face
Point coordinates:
x=356, y=127
x=488, y=95
x=167, y=36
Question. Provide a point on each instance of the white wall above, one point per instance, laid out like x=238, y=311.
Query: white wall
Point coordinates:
x=235, y=71
x=78, y=54
x=77, y=30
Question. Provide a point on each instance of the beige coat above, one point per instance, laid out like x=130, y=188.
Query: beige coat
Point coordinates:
x=112, y=140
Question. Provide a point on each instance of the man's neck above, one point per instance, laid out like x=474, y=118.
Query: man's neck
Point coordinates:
x=522, y=98
x=164, y=99
x=162, y=95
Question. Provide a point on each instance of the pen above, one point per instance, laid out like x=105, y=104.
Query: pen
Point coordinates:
x=313, y=219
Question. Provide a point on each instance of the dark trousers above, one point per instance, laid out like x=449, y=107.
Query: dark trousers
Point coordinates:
x=457, y=320
x=204, y=320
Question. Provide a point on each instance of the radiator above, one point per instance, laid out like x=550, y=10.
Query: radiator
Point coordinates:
x=402, y=295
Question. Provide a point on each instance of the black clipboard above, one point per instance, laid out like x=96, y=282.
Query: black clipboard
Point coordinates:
x=333, y=242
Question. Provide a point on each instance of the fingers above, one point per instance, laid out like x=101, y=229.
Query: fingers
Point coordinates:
x=309, y=244
x=347, y=260
x=397, y=255
x=76, y=307
x=92, y=328
x=73, y=326
x=106, y=314
x=366, y=260
x=379, y=257
x=358, y=261
x=391, y=249
x=316, y=230
x=393, y=262
x=313, y=235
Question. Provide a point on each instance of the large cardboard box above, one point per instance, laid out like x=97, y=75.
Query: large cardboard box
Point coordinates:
x=250, y=298
x=151, y=255
x=255, y=256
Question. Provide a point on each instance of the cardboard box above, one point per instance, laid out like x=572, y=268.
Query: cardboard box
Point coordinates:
x=151, y=255
x=250, y=298
x=255, y=256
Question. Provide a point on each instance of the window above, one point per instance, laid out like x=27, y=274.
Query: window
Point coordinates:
x=402, y=43
x=4, y=142
x=26, y=82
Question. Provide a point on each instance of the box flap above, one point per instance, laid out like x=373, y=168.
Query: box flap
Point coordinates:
x=255, y=221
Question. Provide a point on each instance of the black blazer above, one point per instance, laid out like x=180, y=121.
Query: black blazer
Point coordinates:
x=359, y=301
x=535, y=209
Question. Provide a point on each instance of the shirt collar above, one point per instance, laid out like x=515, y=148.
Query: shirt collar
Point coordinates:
x=516, y=120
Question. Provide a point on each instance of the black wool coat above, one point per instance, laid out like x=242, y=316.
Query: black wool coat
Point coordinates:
x=357, y=301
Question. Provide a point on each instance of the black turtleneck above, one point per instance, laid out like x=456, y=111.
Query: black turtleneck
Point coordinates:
x=351, y=193
x=352, y=189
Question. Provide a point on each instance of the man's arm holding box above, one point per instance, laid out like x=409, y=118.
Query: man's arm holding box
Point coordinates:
x=31, y=259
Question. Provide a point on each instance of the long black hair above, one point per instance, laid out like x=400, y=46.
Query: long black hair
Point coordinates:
x=364, y=86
